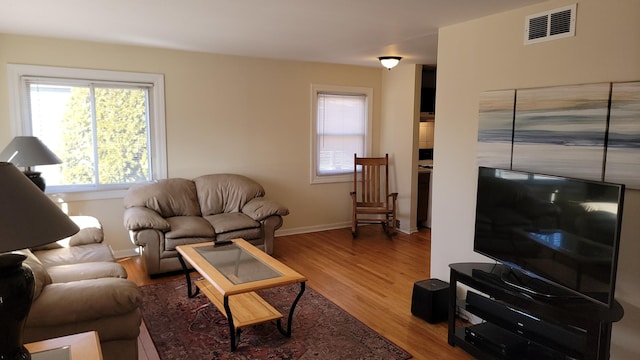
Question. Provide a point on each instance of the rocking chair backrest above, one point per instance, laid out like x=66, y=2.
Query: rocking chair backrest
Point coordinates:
x=369, y=186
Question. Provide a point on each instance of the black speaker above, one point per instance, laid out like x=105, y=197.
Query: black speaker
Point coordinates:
x=430, y=300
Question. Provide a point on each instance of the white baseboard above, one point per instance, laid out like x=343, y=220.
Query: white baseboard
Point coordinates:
x=309, y=229
x=119, y=254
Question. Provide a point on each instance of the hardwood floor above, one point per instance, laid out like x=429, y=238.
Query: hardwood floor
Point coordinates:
x=370, y=277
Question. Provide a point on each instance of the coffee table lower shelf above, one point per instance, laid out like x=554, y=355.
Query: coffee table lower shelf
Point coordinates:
x=238, y=299
x=246, y=308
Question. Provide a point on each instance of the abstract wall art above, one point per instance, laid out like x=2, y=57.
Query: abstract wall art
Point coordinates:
x=561, y=130
x=623, y=146
x=495, y=131
x=589, y=131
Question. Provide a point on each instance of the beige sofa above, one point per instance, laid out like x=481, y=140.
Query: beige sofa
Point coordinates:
x=215, y=207
x=80, y=287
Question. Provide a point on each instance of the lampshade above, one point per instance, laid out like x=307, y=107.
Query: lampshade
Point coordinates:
x=389, y=61
x=28, y=218
x=28, y=151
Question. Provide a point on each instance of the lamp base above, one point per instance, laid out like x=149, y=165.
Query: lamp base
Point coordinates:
x=16, y=291
x=35, y=177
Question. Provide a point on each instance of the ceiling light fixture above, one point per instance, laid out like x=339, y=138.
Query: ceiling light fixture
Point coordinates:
x=389, y=61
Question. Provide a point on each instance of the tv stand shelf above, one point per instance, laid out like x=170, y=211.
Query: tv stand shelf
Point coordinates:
x=520, y=325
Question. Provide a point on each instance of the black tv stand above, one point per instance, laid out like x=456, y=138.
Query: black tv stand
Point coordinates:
x=546, y=323
x=526, y=284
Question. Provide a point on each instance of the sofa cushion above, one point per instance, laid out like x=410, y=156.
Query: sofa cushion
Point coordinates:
x=75, y=254
x=188, y=226
x=223, y=223
x=40, y=273
x=246, y=234
x=86, y=271
x=168, y=197
x=171, y=244
x=225, y=193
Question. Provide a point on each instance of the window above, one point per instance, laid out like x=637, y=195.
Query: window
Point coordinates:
x=107, y=127
x=341, y=127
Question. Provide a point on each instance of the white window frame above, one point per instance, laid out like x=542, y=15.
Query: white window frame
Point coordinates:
x=20, y=122
x=317, y=89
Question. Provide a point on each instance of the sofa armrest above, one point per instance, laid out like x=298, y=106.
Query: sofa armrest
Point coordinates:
x=269, y=227
x=65, y=303
x=90, y=231
x=139, y=218
x=260, y=208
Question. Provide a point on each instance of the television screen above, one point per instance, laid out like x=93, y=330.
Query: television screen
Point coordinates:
x=560, y=230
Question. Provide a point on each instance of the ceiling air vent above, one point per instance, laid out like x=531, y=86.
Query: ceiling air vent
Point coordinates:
x=550, y=25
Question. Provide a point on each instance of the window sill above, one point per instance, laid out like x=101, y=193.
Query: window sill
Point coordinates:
x=88, y=195
x=328, y=179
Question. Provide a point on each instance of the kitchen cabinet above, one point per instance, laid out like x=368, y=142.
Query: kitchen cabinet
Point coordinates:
x=426, y=135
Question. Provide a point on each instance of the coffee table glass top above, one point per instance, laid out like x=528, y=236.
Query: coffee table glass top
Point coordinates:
x=238, y=267
x=237, y=264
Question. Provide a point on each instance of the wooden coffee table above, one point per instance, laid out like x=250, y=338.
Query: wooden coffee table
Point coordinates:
x=232, y=273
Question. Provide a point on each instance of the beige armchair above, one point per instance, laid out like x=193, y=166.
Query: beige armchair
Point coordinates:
x=80, y=287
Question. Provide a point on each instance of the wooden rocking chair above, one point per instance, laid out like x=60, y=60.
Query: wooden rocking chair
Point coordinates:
x=372, y=202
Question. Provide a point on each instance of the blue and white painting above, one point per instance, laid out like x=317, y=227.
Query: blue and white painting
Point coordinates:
x=561, y=130
x=623, y=146
x=495, y=128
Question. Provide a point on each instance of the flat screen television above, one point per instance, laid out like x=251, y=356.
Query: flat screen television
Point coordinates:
x=557, y=235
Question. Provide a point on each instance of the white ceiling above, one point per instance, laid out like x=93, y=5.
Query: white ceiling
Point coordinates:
x=336, y=31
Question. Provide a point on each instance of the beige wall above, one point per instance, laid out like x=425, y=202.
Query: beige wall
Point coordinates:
x=399, y=137
x=488, y=54
x=224, y=114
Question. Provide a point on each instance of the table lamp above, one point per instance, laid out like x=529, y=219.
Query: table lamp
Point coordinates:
x=28, y=218
x=28, y=151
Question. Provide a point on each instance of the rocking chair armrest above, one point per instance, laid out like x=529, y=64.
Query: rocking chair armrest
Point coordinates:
x=394, y=195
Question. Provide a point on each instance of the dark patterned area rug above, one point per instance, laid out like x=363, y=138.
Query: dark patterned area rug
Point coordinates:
x=183, y=328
